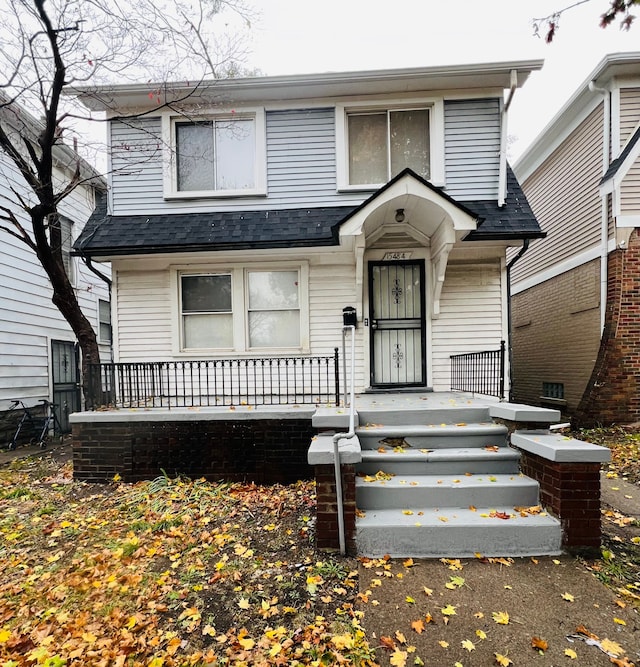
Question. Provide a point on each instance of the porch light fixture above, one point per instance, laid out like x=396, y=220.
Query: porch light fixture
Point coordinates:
x=399, y=215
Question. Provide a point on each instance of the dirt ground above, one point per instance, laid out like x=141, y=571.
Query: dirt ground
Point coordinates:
x=544, y=611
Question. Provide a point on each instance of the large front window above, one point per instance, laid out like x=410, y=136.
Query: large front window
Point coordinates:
x=243, y=309
x=382, y=143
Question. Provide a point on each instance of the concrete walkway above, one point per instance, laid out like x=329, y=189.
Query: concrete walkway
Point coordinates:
x=545, y=598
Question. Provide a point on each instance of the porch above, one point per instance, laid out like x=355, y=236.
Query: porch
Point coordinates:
x=425, y=474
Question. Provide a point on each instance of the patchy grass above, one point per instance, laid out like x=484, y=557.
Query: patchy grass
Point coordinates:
x=624, y=443
x=167, y=572
x=619, y=567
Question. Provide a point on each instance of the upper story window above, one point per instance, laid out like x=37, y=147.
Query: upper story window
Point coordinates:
x=376, y=142
x=383, y=143
x=217, y=156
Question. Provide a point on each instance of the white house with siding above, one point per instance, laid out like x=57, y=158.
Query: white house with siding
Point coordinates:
x=243, y=216
x=38, y=356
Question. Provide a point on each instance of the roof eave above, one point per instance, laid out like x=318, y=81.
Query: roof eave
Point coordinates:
x=299, y=86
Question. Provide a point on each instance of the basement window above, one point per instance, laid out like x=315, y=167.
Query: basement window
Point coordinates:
x=553, y=390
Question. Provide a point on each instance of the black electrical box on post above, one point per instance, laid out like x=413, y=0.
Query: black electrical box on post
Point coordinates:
x=349, y=318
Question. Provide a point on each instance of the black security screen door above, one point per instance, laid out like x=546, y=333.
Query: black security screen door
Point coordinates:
x=397, y=305
x=66, y=380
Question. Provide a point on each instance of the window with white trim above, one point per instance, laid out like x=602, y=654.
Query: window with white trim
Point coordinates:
x=243, y=309
x=223, y=155
x=273, y=308
x=207, y=314
x=104, y=321
x=375, y=142
x=382, y=143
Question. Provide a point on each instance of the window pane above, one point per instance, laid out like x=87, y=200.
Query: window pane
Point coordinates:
x=104, y=310
x=368, y=148
x=104, y=317
x=194, y=147
x=105, y=332
x=273, y=289
x=207, y=331
x=206, y=294
x=279, y=328
x=235, y=154
x=410, y=141
x=66, y=235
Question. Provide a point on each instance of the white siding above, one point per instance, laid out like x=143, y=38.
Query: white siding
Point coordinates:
x=28, y=319
x=144, y=315
x=144, y=312
x=472, y=148
x=331, y=288
x=470, y=316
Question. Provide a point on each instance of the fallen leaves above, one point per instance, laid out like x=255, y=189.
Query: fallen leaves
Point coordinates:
x=500, y=617
x=169, y=572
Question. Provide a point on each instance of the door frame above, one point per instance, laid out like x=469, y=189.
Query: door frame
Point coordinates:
x=420, y=263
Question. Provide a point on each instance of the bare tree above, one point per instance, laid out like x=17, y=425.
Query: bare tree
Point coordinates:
x=618, y=10
x=48, y=45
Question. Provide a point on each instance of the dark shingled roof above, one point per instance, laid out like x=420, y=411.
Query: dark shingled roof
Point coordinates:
x=515, y=220
x=615, y=165
x=301, y=227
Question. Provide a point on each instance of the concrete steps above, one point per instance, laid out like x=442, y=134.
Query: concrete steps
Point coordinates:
x=452, y=460
x=443, y=482
x=456, y=533
x=461, y=434
x=450, y=491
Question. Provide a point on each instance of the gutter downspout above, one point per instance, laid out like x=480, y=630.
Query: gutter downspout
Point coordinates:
x=604, y=217
x=525, y=247
x=502, y=177
x=339, y=436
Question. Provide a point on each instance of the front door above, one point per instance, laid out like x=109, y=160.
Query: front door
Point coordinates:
x=66, y=380
x=396, y=297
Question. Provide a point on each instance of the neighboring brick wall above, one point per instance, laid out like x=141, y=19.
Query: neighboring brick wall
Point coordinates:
x=262, y=450
x=556, y=334
x=327, y=510
x=572, y=492
x=612, y=394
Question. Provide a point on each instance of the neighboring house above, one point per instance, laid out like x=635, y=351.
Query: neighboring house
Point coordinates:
x=576, y=302
x=244, y=215
x=38, y=352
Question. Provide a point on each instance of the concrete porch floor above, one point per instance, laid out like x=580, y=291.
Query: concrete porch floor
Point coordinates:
x=407, y=400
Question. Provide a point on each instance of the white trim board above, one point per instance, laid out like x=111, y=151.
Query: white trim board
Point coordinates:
x=558, y=269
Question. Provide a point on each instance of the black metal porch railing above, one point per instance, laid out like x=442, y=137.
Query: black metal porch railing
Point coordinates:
x=479, y=372
x=217, y=382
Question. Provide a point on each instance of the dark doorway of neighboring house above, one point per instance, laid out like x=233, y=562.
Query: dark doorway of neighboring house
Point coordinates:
x=66, y=380
x=397, y=306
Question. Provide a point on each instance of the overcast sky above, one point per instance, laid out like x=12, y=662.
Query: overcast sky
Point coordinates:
x=297, y=36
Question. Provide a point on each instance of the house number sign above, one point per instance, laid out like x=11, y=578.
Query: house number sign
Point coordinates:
x=390, y=256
